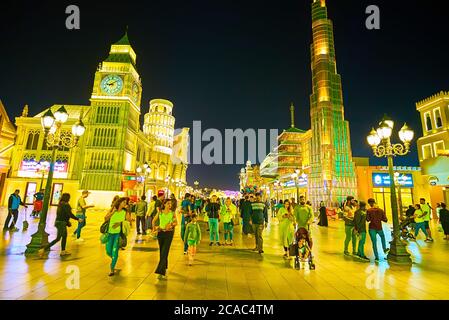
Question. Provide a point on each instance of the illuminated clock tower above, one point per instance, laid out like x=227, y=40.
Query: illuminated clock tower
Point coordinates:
x=332, y=176
x=113, y=125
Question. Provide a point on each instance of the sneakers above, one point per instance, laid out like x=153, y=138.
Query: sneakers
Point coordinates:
x=428, y=240
x=285, y=256
x=346, y=253
x=211, y=244
x=64, y=253
x=231, y=243
x=138, y=233
x=218, y=244
x=354, y=254
x=255, y=249
x=185, y=252
x=161, y=277
x=261, y=251
x=364, y=258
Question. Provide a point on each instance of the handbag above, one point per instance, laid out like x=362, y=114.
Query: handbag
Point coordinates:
x=104, y=227
x=293, y=250
x=104, y=238
x=123, y=241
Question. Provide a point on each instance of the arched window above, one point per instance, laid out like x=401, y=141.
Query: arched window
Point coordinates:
x=33, y=139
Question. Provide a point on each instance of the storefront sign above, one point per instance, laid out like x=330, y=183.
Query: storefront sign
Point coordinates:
x=302, y=182
x=383, y=180
x=31, y=166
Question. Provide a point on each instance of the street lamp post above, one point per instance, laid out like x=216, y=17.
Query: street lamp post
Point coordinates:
x=380, y=142
x=41, y=168
x=146, y=173
x=55, y=139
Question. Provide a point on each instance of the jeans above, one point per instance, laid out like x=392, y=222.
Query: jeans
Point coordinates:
x=12, y=213
x=164, y=239
x=183, y=232
x=421, y=226
x=228, y=229
x=140, y=221
x=350, y=235
x=61, y=227
x=258, y=230
x=112, y=248
x=81, y=225
x=213, y=230
x=373, y=235
x=361, y=247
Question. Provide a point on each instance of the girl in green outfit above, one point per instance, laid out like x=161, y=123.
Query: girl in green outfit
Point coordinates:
x=286, y=226
x=116, y=217
x=192, y=236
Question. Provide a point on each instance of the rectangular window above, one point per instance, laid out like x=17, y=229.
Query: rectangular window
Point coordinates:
x=427, y=151
x=439, y=145
x=437, y=116
x=56, y=193
x=428, y=121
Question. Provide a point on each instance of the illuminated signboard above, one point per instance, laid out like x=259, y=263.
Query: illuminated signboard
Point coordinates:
x=302, y=182
x=31, y=166
x=383, y=180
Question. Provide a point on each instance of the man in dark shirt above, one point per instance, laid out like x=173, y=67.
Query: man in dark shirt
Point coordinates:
x=375, y=216
x=213, y=213
x=14, y=202
x=259, y=220
x=245, y=212
x=360, y=230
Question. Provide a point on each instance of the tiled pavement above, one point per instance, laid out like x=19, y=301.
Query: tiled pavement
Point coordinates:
x=218, y=272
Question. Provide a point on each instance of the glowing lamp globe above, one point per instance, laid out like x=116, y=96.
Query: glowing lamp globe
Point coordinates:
x=406, y=134
x=373, y=138
x=384, y=131
x=48, y=120
x=61, y=115
x=78, y=129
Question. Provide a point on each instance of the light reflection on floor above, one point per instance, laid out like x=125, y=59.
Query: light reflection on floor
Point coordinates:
x=219, y=272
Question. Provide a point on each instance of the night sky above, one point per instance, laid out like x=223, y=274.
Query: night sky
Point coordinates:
x=230, y=64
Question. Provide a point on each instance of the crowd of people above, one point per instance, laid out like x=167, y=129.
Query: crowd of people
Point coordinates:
x=157, y=219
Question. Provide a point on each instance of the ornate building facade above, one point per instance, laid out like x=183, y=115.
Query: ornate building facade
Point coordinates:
x=114, y=146
x=7, y=137
x=433, y=146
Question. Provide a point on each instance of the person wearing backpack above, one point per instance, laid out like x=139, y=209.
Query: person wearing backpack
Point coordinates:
x=186, y=211
x=116, y=217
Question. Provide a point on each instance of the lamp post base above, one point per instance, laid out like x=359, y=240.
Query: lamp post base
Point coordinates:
x=38, y=240
x=398, y=253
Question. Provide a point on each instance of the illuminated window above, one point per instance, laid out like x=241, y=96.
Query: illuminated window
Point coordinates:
x=438, y=146
x=427, y=151
x=437, y=116
x=428, y=121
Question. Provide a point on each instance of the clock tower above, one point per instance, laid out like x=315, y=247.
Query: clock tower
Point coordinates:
x=114, y=120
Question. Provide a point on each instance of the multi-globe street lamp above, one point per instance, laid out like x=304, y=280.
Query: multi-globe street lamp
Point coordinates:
x=380, y=142
x=144, y=172
x=56, y=139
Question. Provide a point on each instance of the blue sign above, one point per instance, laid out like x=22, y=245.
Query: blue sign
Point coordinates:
x=302, y=182
x=383, y=180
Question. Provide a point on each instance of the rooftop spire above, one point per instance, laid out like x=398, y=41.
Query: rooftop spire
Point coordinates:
x=124, y=40
x=292, y=115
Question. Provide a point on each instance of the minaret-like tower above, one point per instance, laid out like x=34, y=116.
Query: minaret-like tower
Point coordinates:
x=332, y=175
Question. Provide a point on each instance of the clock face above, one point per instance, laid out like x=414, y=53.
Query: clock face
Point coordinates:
x=135, y=92
x=112, y=84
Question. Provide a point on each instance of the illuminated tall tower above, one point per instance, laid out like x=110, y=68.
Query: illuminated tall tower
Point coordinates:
x=111, y=135
x=332, y=175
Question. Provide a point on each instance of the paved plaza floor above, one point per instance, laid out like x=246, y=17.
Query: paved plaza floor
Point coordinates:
x=219, y=272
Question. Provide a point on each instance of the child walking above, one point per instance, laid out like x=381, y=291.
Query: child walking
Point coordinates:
x=192, y=236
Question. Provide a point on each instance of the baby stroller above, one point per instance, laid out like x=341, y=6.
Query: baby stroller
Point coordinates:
x=302, y=249
x=405, y=229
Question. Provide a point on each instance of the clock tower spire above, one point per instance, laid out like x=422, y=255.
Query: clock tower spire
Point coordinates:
x=114, y=121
